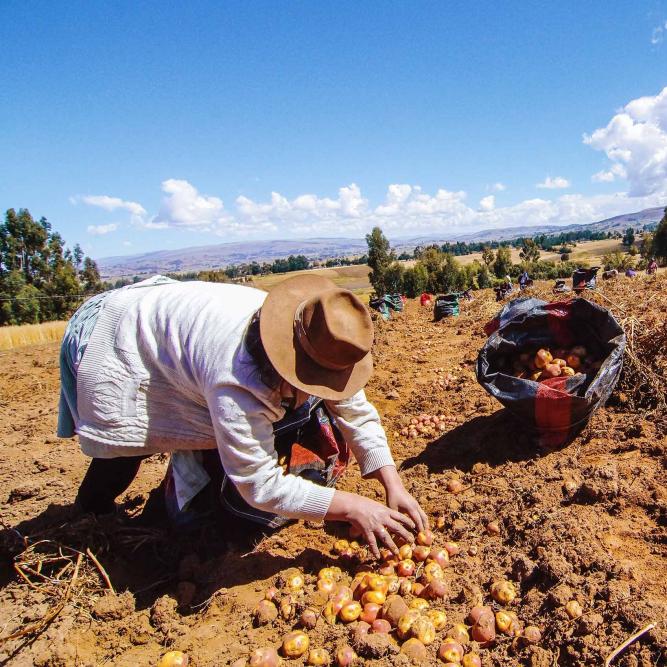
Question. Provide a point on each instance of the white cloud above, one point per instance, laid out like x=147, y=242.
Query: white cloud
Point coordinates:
x=555, y=183
x=127, y=244
x=183, y=206
x=110, y=203
x=635, y=140
x=603, y=177
x=101, y=230
x=487, y=203
x=499, y=187
x=658, y=34
x=305, y=212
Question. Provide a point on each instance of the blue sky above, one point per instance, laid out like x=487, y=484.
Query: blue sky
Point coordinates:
x=140, y=126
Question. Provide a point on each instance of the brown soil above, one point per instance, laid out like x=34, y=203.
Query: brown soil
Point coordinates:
x=587, y=522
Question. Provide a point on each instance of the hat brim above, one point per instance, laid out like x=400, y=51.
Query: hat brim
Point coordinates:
x=276, y=327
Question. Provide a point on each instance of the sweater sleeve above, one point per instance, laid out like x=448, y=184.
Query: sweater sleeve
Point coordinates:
x=359, y=422
x=244, y=435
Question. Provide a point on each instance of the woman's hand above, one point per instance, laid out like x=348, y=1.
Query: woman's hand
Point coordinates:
x=374, y=521
x=398, y=498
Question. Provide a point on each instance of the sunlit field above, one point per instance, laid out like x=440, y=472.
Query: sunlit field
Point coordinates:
x=12, y=337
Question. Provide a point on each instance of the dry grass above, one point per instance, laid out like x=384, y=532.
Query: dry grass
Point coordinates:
x=354, y=278
x=584, y=251
x=12, y=337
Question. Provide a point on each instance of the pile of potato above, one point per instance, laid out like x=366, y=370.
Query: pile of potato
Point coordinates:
x=425, y=425
x=545, y=363
x=394, y=604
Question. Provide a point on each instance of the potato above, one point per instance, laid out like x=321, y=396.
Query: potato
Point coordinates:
x=573, y=609
x=432, y=571
x=415, y=651
x=504, y=622
x=459, y=633
x=295, y=644
x=377, y=583
x=341, y=546
x=380, y=626
x=559, y=362
x=503, y=591
x=295, y=582
x=405, y=623
x=573, y=361
x=308, y=619
x=361, y=630
x=542, y=358
x=377, y=597
x=393, y=609
x=452, y=548
x=349, y=612
x=425, y=538
x=318, y=656
x=477, y=612
x=405, y=552
x=424, y=630
x=370, y=612
x=472, y=660
x=439, y=556
x=438, y=618
x=420, y=553
x=265, y=657
x=551, y=371
x=265, y=612
x=531, y=634
x=345, y=656
x=326, y=585
x=436, y=590
x=568, y=371
x=419, y=604
x=484, y=630
x=405, y=568
x=450, y=651
x=173, y=659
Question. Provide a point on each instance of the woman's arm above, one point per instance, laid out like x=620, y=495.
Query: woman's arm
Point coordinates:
x=244, y=434
x=360, y=425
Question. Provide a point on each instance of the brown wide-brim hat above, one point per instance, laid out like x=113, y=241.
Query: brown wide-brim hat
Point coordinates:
x=317, y=336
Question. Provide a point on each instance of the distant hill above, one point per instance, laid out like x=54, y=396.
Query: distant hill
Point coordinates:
x=199, y=258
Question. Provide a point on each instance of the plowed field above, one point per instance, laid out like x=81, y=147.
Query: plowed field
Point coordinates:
x=585, y=523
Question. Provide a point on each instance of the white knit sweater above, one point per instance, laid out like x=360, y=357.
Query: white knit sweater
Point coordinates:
x=166, y=370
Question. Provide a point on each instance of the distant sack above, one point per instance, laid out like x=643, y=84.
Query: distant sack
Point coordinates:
x=554, y=409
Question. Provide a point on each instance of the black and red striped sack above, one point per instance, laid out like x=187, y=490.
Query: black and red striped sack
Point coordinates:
x=553, y=410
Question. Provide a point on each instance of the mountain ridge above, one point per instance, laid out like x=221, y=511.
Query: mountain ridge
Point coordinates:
x=199, y=258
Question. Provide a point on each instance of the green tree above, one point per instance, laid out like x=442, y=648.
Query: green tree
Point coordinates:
x=503, y=263
x=77, y=256
x=628, y=237
x=415, y=280
x=447, y=277
x=90, y=276
x=659, y=243
x=529, y=251
x=380, y=257
x=484, y=277
x=488, y=256
x=393, y=278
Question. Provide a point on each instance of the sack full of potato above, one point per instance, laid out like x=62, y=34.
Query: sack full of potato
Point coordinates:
x=552, y=364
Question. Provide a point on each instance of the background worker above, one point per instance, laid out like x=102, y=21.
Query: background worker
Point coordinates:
x=163, y=366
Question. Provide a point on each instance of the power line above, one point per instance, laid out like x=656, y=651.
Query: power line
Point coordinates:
x=48, y=296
